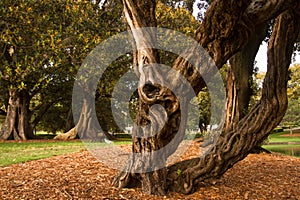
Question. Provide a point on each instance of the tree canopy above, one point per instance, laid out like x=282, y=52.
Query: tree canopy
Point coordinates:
x=43, y=44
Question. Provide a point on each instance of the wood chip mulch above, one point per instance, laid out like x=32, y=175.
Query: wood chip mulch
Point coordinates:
x=80, y=176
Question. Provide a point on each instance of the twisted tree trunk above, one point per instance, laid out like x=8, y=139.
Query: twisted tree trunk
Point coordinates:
x=222, y=35
x=233, y=146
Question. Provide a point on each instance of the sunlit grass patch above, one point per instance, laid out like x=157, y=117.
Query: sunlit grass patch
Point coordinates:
x=16, y=152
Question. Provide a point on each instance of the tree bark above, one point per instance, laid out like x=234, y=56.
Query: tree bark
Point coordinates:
x=222, y=34
x=255, y=126
x=145, y=137
x=17, y=122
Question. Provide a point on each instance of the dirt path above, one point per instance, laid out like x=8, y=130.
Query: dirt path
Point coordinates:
x=81, y=176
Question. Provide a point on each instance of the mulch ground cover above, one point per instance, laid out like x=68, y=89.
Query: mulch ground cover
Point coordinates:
x=81, y=176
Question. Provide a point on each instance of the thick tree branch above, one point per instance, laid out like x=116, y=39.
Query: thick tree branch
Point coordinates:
x=223, y=34
x=254, y=127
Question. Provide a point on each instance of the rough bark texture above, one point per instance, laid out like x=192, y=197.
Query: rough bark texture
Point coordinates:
x=141, y=14
x=222, y=34
x=17, y=122
x=254, y=127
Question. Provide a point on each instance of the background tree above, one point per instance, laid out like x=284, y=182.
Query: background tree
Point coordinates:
x=29, y=58
x=172, y=17
x=292, y=116
x=240, y=79
x=43, y=45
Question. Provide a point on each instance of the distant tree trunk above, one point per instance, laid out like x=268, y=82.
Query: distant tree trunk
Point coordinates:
x=83, y=127
x=228, y=25
x=17, y=122
x=239, y=75
x=87, y=126
x=70, y=121
x=42, y=110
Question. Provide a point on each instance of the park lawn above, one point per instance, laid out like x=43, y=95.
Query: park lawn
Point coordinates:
x=283, y=146
x=290, y=143
x=18, y=152
x=282, y=137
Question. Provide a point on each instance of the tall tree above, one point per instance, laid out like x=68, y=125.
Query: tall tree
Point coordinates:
x=292, y=116
x=28, y=40
x=43, y=45
x=96, y=28
x=226, y=29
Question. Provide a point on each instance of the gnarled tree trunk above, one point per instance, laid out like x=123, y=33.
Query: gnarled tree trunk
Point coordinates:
x=145, y=138
x=225, y=30
x=233, y=146
x=17, y=122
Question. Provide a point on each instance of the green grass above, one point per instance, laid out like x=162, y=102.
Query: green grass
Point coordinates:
x=18, y=152
x=278, y=137
x=287, y=149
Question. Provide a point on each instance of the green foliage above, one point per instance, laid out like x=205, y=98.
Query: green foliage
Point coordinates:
x=54, y=120
x=209, y=115
x=277, y=130
x=294, y=82
x=44, y=43
x=204, y=103
x=178, y=172
x=292, y=116
x=176, y=18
